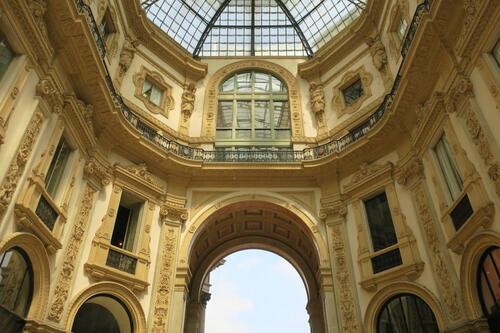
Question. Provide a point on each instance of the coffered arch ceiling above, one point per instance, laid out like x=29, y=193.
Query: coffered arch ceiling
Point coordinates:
x=252, y=27
x=254, y=225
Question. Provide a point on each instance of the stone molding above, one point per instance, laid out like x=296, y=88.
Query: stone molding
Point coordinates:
x=167, y=101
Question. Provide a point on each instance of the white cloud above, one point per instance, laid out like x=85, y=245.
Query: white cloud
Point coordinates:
x=224, y=309
x=249, y=262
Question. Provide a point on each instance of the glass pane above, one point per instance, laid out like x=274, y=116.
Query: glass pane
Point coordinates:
x=278, y=85
x=147, y=88
x=243, y=134
x=120, y=228
x=156, y=95
x=262, y=115
x=15, y=282
x=496, y=52
x=262, y=82
x=6, y=55
x=57, y=166
x=352, y=92
x=130, y=233
x=243, y=114
x=262, y=134
x=225, y=114
x=448, y=168
x=228, y=85
x=244, y=82
x=406, y=314
x=281, y=114
x=380, y=222
x=282, y=134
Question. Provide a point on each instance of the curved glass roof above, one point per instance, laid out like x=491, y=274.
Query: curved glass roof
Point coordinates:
x=252, y=27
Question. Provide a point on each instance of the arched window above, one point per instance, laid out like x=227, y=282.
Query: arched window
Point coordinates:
x=406, y=314
x=489, y=286
x=16, y=290
x=253, y=112
x=102, y=313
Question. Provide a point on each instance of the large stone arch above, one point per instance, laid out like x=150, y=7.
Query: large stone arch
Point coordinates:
x=122, y=293
x=35, y=250
x=394, y=289
x=212, y=94
x=253, y=221
x=468, y=271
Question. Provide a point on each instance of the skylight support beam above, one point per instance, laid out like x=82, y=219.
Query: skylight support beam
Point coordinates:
x=361, y=4
x=209, y=27
x=295, y=25
x=148, y=3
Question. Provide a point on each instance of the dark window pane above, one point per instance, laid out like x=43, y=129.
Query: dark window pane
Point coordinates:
x=380, y=222
x=16, y=286
x=120, y=228
x=6, y=55
x=489, y=287
x=496, y=52
x=352, y=92
x=406, y=314
x=57, y=166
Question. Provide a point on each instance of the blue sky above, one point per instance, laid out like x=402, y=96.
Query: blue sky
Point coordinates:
x=256, y=292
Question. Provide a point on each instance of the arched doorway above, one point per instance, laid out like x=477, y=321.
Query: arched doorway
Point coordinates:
x=253, y=225
x=255, y=291
x=488, y=284
x=102, y=313
x=16, y=289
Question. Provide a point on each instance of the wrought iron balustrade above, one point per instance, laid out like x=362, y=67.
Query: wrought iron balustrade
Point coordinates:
x=47, y=214
x=461, y=213
x=386, y=261
x=121, y=261
x=333, y=147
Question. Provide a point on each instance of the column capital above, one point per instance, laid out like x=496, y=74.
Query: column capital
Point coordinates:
x=97, y=171
x=410, y=170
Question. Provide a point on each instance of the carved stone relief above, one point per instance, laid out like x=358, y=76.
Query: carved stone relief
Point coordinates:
x=71, y=254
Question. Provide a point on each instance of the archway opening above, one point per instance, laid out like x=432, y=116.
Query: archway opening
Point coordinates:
x=253, y=225
x=255, y=291
x=102, y=313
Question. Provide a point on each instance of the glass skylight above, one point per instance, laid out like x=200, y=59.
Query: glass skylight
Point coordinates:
x=252, y=27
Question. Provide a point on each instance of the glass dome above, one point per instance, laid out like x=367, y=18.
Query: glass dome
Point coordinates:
x=252, y=27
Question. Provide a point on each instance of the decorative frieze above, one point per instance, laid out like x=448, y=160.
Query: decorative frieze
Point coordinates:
x=164, y=284
x=18, y=164
x=70, y=258
x=317, y=96
x=47, y=89
x=344, y=280
x=97, y=172
x=126, y=56
x=411, y=175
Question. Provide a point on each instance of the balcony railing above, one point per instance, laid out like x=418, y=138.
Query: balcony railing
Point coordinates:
x=121, y=261
x=333, y=147
x=47, y=214
x=386, y=261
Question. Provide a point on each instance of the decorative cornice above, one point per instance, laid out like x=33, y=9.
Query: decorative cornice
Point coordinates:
x=140, y=179
x=97, y=171
x=409, y=170
x=49, y=91
x=173, y=209
x=367, y=174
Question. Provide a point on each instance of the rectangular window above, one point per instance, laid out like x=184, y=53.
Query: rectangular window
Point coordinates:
x=352, y=92
x=448, y=168
x=126, y=223
x=152, y=92
x=6, y=55
x=496, y=52
x=401, y=30
x=57, y=167
x=107, y=27
x=379, y=218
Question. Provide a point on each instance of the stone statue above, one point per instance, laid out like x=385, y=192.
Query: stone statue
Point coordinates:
x=126, y=57
x=317, y=98
x=187, y=104
x=377, y=50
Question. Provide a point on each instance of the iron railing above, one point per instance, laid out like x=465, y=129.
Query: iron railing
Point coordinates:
x=307, y=154
x=386, y=261
x=121, y=261
x=47, y=214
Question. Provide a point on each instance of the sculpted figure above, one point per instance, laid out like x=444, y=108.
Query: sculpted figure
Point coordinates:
x=377, y=50
x=126, y=56
x=188, y=96
x=317, y=98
